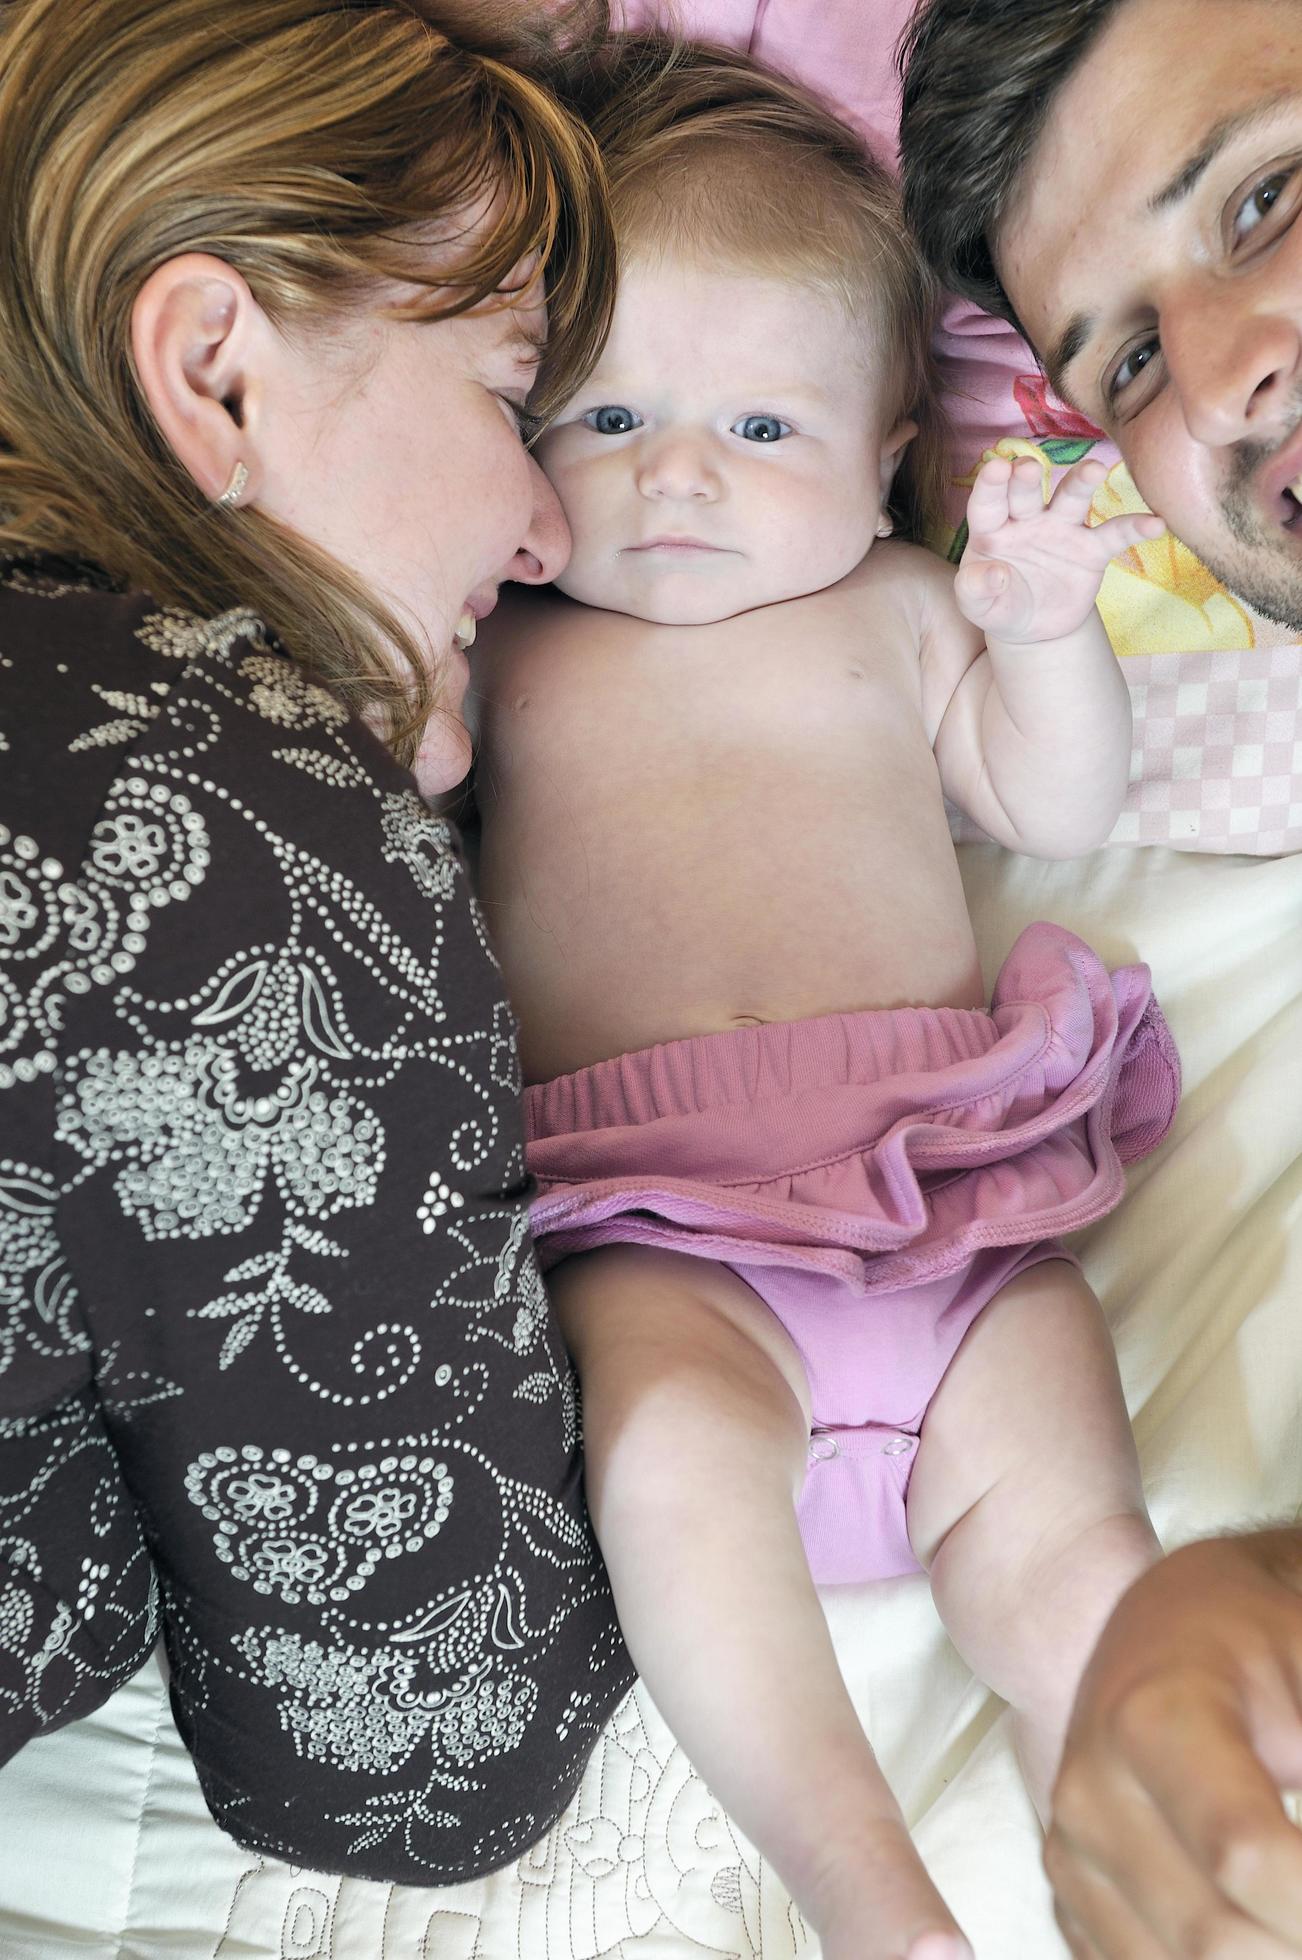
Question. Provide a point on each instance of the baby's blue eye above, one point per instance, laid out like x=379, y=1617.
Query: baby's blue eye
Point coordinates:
x=612, y=420
x=761, y=428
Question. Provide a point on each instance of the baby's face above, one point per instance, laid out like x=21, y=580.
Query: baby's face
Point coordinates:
x=729, y=450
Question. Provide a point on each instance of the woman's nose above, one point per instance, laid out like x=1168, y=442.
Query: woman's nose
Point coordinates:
x=545, y=552
x=1235, y=365
x=678, y=466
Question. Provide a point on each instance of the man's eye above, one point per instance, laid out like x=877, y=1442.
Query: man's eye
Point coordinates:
x=612, y=419
x=761, y=428
x=1130, y=367
x=1260, y=204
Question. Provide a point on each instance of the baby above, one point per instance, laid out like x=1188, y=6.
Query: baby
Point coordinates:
x=798, y=1185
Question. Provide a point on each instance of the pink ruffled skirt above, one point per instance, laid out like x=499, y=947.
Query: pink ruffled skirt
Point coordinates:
x=876, y=1177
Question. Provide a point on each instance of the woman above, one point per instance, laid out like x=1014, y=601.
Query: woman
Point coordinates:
x=278, y=1374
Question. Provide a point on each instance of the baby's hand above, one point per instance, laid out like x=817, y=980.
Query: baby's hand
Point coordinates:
x=1031, y=570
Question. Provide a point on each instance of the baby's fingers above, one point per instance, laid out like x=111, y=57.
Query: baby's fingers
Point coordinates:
x=1075, y=493
x=987, y=504
x=1119, y=533
x=1026, y=489
x=986, y=593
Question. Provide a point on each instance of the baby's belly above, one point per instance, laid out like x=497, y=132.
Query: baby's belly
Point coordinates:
x=632, y=933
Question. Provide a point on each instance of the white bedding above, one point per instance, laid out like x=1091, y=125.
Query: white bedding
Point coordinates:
x=106, y=1849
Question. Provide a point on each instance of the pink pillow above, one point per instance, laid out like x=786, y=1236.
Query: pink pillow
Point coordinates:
x=1217, y=690
x=843, y=49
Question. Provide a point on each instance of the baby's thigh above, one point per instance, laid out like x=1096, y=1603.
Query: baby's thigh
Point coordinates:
x=649, y=1328
x=1031, y=1412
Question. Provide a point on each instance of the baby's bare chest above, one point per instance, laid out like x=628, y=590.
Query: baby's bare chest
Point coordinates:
x=678, y=835
x=615, y=704
x=732, y=751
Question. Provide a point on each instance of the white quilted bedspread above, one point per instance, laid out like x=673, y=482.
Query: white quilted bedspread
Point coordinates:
x=105, y=1847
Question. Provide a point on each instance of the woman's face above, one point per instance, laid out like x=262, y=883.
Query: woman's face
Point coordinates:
x=394, y=446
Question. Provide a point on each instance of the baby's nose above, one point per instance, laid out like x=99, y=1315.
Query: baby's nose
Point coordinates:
x=679, y=465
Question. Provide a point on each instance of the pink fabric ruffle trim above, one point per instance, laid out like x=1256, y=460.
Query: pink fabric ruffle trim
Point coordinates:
x=885, y=1147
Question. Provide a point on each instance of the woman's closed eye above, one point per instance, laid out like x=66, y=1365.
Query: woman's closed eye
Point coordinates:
x=612, y=419
x=761, y=428
x=527, y=423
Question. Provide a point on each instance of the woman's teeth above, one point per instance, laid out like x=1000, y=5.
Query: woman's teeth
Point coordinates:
x=464, y=636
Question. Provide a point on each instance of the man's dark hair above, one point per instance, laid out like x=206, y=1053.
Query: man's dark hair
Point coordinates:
x=980, y=77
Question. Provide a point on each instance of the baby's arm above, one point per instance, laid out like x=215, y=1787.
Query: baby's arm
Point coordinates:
x=1033, y=739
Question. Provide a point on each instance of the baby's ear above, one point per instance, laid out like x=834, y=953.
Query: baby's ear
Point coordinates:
x=892, y=452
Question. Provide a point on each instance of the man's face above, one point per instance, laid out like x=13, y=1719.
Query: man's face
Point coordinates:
x=1154, y=256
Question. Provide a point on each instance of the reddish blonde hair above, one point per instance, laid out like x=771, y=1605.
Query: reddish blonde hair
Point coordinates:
x=706, y=151
x=307, y=143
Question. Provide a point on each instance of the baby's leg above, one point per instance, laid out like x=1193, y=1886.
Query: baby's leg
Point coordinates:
x=696, y=1429
x=1026, y=1502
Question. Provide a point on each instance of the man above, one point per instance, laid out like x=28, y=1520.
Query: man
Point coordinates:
x=1123, y=180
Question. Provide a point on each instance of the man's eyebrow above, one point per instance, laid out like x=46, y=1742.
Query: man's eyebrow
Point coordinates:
x=1074, y=337
x=1224, y=133
x=1079, y=330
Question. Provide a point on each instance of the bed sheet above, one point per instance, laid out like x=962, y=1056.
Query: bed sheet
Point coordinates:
x=105, y=1846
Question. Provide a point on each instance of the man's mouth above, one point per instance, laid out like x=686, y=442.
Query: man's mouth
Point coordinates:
x=1275, y=479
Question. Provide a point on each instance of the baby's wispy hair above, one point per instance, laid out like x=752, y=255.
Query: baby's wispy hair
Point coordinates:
x=707, y=153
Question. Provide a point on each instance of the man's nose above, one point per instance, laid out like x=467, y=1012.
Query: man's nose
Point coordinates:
x=678, y=464
x=545, y=550
x=1235, y=365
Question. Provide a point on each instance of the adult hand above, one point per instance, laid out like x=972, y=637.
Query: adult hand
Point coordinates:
x=1168, y=1835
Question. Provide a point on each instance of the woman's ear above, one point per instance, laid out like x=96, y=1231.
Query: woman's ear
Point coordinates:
x=891, y=454
x=196, y=336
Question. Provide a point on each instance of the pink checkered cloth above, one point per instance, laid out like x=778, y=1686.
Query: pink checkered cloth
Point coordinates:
x=1217, y=690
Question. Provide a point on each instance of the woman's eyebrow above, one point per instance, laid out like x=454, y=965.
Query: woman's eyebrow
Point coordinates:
x=1224, y=133
x=527, y=348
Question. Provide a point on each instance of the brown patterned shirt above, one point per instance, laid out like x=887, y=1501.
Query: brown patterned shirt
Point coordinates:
x=277, y=1371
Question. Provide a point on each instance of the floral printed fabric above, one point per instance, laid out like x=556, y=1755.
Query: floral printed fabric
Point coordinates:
x=277, y=1373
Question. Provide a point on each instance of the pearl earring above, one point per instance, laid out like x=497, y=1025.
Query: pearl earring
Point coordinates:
x=886, y=529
